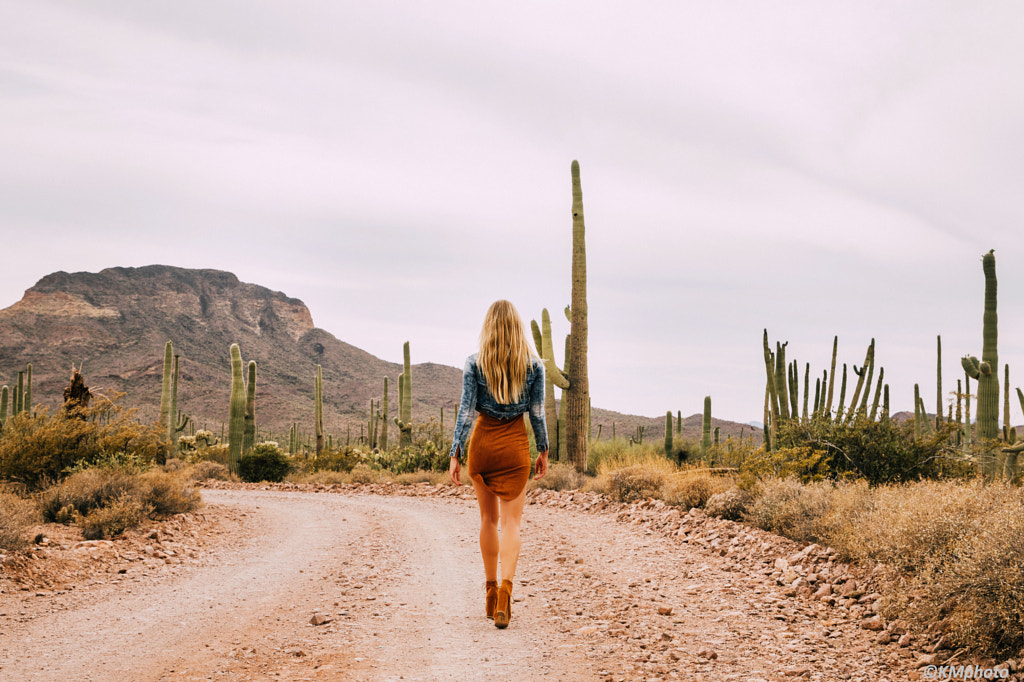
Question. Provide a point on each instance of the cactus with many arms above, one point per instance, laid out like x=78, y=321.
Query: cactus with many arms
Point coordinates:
x=236, y=416
x=986, y=370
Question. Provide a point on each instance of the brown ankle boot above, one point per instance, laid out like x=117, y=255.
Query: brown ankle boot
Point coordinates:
x=503, y=609
x=492, y=597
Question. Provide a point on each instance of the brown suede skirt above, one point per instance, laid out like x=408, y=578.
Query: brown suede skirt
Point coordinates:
x=499, y=455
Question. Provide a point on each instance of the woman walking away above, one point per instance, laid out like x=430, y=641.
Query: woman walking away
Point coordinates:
x=501, y=382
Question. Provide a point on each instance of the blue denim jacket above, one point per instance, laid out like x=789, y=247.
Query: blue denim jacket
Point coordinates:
x=477, y=397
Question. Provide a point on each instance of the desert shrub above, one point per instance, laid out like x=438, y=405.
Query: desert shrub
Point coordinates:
x=174, y=464
x=802, y=463
x=957, y=550
x=884, y=451
x=323, y=477
x=729, y=504
x=165, y=494
x=789, y=508
x=264, y=463
x=81, y=494
x=201, y=471
x=561, y=476
x=17, y=515
x=692, y=489
x=595, y=484
x=85, y=491
x=212, y=453
x=362, y=473
x=339, y=459
x=604, y=456
x=422, y=456
x=634, y=483
x=39, y=447
x=113, y=519
x=432, y=477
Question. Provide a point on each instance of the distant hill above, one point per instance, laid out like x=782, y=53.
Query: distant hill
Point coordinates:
x=117, y=321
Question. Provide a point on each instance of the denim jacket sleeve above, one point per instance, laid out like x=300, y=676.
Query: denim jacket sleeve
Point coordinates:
x=537, y=416
x=467, y=409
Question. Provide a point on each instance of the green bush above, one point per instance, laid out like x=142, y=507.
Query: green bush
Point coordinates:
x=264, y=463
x=883, y=451
x=39, y=448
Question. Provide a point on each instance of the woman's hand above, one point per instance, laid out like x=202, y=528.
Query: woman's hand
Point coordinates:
x=541, y=466
x=453, y=471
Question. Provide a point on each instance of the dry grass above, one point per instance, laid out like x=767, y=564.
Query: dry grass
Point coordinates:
x=202, y=471
x=17, y=516
x=693, y=487
x=113, y=519
x=362, y=473
x=431, y=477
x=955, y=547
x=103, y=500
x=560, y=476
x=321, y=477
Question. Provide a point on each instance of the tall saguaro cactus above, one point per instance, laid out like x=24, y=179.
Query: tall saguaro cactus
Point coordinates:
x=27, y=405
x=236, y=418
x=249, y=433
x=986, y=371
x=577, y=396
x=668, y=433
x=3, y=406
x=705, y=441
x=176, y=422
x=384, y=419
x=164, y=420
x=318, y=408
x=404, y=418
x=542, y=338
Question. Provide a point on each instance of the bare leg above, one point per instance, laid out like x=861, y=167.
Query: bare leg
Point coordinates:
x=511, y=519
x=488, y=503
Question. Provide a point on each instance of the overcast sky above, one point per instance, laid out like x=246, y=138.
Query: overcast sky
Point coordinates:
x=816, y=168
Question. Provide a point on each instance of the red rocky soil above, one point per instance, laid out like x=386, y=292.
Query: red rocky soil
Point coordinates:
x=383, y=582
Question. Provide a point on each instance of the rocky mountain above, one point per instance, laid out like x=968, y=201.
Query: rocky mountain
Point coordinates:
x=116, y=322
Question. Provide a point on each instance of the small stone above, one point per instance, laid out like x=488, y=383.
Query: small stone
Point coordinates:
x=709, y=654
x=926, y=660
x=873, y=623
x=905, y=639
x=587, y=630
x=883, y=638
x=664, y=610
x=667, y=637
x=319, y=619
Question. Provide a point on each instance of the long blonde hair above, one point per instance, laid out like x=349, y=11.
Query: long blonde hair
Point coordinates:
x=505, y=354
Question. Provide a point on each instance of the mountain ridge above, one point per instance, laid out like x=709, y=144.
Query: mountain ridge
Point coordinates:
x=117, y=321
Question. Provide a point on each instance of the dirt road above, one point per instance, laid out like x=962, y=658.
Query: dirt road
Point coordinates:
x=399, y=583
